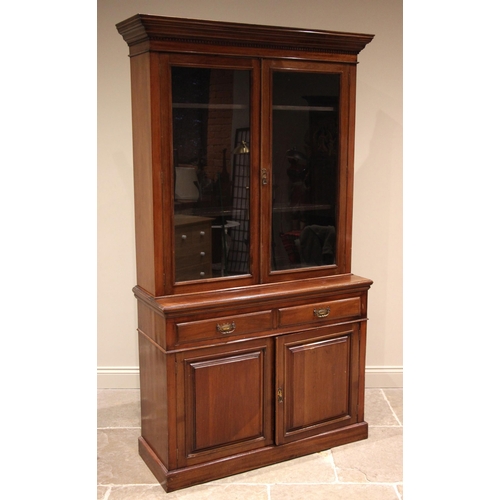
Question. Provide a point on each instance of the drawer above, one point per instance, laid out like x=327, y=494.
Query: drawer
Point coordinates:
x=222, y=327
x=320, y=312
x=196, y=259
x=193, y=247
x=198, y=272
x=193, y=238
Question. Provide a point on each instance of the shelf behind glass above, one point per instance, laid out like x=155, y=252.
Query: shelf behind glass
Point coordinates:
x=301, y=207
x=200, y=105
x=302, y=108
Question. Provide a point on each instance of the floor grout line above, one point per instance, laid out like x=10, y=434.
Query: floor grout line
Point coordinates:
x=108, y=492
x=332, y=460
x=323, y=483
x=397, y=491
x=390, y=406
x=384, y=426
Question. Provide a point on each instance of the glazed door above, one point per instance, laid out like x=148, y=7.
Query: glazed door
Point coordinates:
x=316, y=381
x=306, y=145
x=211, y=195
x=224, y=400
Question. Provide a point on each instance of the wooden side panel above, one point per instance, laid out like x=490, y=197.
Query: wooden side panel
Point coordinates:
x=360, y=381
x=147, y=172
x=346, y=169
x=143, y=182
x=350, y=111
x=152, y=324
x=153, y=380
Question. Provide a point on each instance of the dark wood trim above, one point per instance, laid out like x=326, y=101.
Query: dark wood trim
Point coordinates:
x=143, y=27
x=261, y=294
x=208, y=471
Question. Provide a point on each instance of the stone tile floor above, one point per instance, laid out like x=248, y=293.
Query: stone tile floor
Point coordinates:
x=367, y=470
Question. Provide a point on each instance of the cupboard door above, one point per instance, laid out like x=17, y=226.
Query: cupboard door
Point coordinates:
x=214, y=149
x=224, y=400
x=317, y=376
x=306, y=166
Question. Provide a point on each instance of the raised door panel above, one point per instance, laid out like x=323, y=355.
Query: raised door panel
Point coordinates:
x=224, y=401
x=316, y=382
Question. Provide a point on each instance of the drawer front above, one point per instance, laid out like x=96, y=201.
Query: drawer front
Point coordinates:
x=320, y=312
x=193, y=250
x=193, y=239
x=194, y=256
x=223, y=327
x=200, y=271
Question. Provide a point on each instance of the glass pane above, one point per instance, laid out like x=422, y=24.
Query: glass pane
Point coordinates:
x=305, y=150
x=211, y=119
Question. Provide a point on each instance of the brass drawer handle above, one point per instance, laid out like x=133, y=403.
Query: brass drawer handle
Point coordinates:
x=322, y=313
x=226, y=328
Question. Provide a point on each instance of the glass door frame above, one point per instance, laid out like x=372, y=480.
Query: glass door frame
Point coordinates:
x=345, y=166
x=167, y=61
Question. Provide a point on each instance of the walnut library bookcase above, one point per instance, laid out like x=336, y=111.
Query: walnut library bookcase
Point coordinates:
x=252, y=328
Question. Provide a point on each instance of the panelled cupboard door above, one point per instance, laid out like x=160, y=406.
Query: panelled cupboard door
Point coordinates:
x=317, y=376
x=224, y=400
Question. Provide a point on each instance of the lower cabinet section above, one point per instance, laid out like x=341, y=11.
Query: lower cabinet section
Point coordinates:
x=235, y=407
x=236, y=381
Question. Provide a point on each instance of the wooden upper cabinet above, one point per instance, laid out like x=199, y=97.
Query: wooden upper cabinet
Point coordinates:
x=243, y=152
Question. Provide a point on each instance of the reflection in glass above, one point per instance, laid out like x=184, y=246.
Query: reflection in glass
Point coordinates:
x=305, y=152
x=211, y=210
